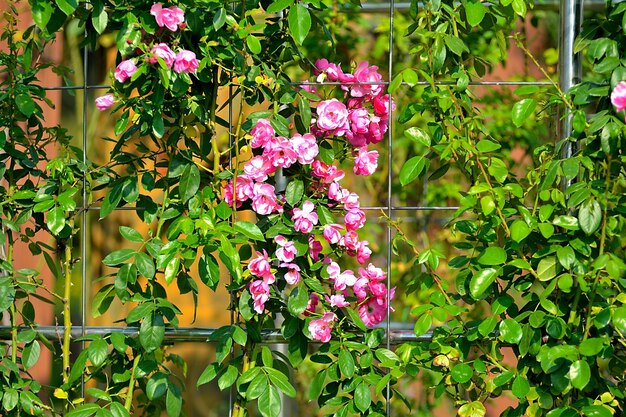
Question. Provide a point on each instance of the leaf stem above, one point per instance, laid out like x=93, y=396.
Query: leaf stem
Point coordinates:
x=131, y=384
x=67, y=316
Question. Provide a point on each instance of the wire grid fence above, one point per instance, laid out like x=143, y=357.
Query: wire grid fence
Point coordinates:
x=571, y=15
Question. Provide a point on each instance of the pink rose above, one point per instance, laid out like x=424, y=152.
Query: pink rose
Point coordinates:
x=338, y=300
x=332, y=233
x=260, y=291
x=260, y=266
x=372, y=273
x=264, y=199
x=336, y=192
x=105, y=101
x=304, y=219
x=329, y=69
x=381, y=105
x=292, y=277
x=359, y=120
x=261, y=133
x=280, y=152
x=312, y=304
x=351, y=201
x=327, y=173
x=331, y=115
x=185, y=61
x=372, y=312
x=350, y=241
x=333, y=270
x=244, y=190
x=365, y=162
x=286, y=251
x=164, y=52
x=354, y=219
x=618, y=96
x=320, y=329
x=258, y=168
x=305, y=147
x=370, y=79
x=345, y=279
x=170, y=17
x=376, y=131
x=125, y=70
x=315, y=248
x=363, y=252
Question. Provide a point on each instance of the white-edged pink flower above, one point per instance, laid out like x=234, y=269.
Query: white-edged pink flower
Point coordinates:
x=315, y=248
x=170, y=17
x=105, y=101
x=260, y=266
x=618, y=96
x=260, y=291
x=354, y=219
x=370, y=81
x=344, y=280
x=292, y=276
x=279, y=151
x=372, y=273
x=261, y=133
x=338, y=300
x=363, y=252
x=332, y=233
x=125, y=70
x=264, y=199
x=365, y=162
x=305, y=147
x=258, y=168
x=304, y=219
x=327, y=173
x=185, y=61
x=244, y=186
x=350, y=241
x=333, y=270
x=359, y=120
x=164, y=52
x=286, y=251
x=331, y=115
x=320, y=329
x=372, y=312
x=351, y=201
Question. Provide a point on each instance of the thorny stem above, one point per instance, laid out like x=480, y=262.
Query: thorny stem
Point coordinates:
x=13, y=307
x=131, y=384
x=67, y=317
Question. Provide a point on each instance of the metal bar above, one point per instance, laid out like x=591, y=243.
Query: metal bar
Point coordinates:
x=592, y=5
x=570, y=63
x=189, y=334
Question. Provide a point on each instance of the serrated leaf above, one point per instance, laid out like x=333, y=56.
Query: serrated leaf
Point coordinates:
x=249, y=230
x=269, y=403
x=299, y=21
x=590, y=216
x=189, y=182
x=294, y=192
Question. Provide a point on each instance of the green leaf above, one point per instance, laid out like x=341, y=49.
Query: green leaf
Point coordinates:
x=228, y=378
x=523, y=110
x=412, y=169
x=278, y=5
x=171, y=269
x=152, y=332
x=249, y=230
x=209, y=271
x=519, y=7
x=418, y=135
x=254, y=45
x=579, y=374
x=597, y=411
x=317, y=385
x=485, y=146
x=570, y=168
x=156, y=386
x=590, y=216
x=294, y=192
x=566, y=256
x=173, y=401
x=510, y=331
x=118, y=410
x=461, y=372
x=269, y=403
x=119, y=256
x=475, y=12
x=493, y=255
x=410, y=77
x=208, y=374
x=55, y=220
x=219, y=19
x=299, y=22
x=189, y=182
x=520, y=387
x=281, y=381
x=41, y=13
x=480, y=281
x=30, y=354
x=98, y=352
x=24, y=102
x=99, y=17
x=84, y=410
x=10, y=399
x=473, y=409
x=131, y=234
x=257, y=387
x=423, y=324
x=619, y=319
x=346, y=363
x=519, y=230
x=547, y=268
x=362, y=397
x=298, y=300
x=145, y=264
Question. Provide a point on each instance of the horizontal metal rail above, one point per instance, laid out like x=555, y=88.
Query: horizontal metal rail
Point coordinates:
x=383, y=7
x=185, y=334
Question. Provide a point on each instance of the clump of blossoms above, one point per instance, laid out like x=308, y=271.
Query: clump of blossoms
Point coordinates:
x=321, y=224
x=152, y=51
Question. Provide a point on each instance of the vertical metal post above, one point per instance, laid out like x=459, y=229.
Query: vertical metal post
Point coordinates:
x=570, y=63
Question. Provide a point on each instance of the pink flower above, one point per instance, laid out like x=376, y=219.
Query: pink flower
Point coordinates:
x=351, y=201
x=244, y=190
x=293, y=274
x=170, y=17
x=336, y=192
x=162, y=51
x=327, y=173
x=332, y=233
x=305, y=147
x=331, y=70
x=363, y=252
x=381, y=105
x=333, y=270
x=305, y=219
x=355, y=219
x=315, y=248
x=264, y=199
x=331, y=115
x=376, y=131
x=372, y=312
x=359, y=120
x=279, y=151
x=320, y=328
x=338, y=300
x=287, y=249
x=365, y=162
x=618, y=96
x=125, y=70
x=312, y=304
x=345, y=279
x=360, y=288
x=378, y=289
x=372, y=273
x=261, y=133
x=258, y=168
x=185, y=61
x=260, y=266
x=350, y=240
x=366, y=75
x=105, y=101
x=260, y=291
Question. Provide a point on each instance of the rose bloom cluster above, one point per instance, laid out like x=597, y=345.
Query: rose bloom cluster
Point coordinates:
x=183, y=61
x=365, y=289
